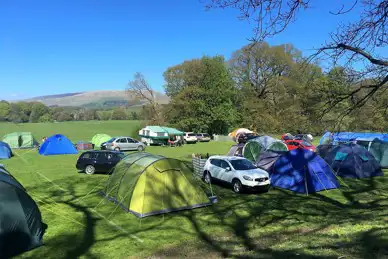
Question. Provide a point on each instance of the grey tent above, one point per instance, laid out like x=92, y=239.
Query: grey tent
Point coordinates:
x=21, y=226
x=236, y=150
x=254, y=147
x=377, y=147
x=267, y=159
x=324, y=149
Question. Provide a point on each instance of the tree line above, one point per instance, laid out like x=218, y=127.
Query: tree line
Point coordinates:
x=22, y=112
x=267, y=89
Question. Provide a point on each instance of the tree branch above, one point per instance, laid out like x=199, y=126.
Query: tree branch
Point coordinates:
x=359, y=51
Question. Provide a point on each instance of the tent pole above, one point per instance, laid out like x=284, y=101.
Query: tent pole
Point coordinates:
x=305, y=181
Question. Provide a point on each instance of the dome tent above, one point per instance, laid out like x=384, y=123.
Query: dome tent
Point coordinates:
x=20, y=140
x=236, y=150
x=267, y=159
x=5, y=151
x=57, y=145
x=353, y=161
x=303, y=171
x=254, y=147
x=98, y=139
x=21, y=226
x=324, y=149
x=145, y=184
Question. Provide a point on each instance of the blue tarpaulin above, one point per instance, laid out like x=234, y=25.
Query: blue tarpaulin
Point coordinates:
x=335, y=138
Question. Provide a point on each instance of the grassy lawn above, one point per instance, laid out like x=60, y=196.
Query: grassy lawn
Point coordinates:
x=346, y=223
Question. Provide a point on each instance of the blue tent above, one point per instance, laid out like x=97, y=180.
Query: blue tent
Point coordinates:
x=338, y=137
x=303, y=171
x=5, y=150
x=353, y=161
x=57, y=145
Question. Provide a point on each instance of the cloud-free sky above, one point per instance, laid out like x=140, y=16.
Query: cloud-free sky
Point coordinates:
x=50, y=47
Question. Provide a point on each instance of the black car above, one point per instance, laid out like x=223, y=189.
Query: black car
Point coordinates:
x=101, y=161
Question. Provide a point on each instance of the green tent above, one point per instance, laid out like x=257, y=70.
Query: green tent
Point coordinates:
x=20, y=140
x=145, y=184
x=255, y=147
x=377, y=148
x=98, y=139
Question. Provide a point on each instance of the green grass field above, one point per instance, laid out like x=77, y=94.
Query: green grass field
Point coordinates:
x=347, y=223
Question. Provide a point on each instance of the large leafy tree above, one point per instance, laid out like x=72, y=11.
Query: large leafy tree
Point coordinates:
x=355, y=45
x=203, y=95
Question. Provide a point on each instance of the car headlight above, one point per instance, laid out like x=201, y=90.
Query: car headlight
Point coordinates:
x=246, y=177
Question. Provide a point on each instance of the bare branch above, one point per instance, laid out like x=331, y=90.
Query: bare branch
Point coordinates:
x=363, y=53
x=139, y=89
x=342, y=11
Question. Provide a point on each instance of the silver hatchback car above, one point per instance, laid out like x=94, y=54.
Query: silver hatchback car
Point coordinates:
x=122, y=144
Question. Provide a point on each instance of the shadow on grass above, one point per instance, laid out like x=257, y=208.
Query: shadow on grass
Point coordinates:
x=346, y=223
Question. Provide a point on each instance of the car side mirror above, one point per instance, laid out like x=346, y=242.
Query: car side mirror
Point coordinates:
x=228, y=169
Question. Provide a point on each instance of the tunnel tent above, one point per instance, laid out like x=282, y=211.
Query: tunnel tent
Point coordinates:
x=20, y=140
x=303, y=171
x=21, y=226
x=254, y=147
x=353, y=161
x=5, y=151
x=377, y=148
x=145, y=184
x=344, y=137
x=57, y=145
x=98, y=139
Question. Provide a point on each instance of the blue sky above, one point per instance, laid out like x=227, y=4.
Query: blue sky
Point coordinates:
x=50, y=47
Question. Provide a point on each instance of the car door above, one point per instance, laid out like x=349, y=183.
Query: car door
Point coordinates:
x=215, y=168
x=110, y=161
x=123, y=143
x=98, y=161
x=132, y=144
x=225, y=174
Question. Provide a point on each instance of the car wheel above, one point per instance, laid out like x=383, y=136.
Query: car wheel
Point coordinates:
x=140, y=148
x=90, y=169
x=207, y=177
x=237, y=186
x=117, y=149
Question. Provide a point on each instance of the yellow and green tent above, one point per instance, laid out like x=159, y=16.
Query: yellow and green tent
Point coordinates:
x=98, y=139
x=145, y=184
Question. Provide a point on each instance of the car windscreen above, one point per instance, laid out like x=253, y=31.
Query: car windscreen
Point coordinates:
x=111, y=140
x=242, y=164
x=206, y=135
x=306, y=144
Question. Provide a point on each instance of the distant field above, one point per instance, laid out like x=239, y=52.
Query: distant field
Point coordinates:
x=347, y=223
x=75, y=131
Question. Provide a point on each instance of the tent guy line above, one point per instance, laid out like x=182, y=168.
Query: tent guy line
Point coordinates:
x=110, y=222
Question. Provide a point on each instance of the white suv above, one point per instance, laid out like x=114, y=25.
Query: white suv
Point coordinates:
x=190, y=137
x=238, y=171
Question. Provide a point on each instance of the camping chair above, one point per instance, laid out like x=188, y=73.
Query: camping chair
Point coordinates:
x=174, y=143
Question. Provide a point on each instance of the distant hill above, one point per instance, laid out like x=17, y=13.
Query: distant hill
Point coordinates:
x=54, y=96
x=95, y=99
